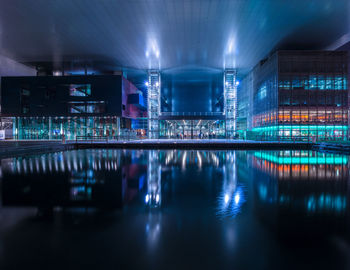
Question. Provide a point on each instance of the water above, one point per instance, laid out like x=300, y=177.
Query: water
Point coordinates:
x=120, y=209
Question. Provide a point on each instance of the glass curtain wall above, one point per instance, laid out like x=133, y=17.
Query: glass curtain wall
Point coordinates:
x=313, y=97
x=264, y=92
x=46, y=128
x=301, y=96
x=192, y=129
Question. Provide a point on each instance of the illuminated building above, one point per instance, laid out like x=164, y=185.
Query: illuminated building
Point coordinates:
x=48, y=107
x=296, y=95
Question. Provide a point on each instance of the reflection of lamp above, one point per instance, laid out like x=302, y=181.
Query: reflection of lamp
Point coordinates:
x=227, y=198
x=237, y=198
x=232, y=196
x=153, y=196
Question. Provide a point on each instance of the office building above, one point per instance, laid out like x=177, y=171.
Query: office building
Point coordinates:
x=296, y=95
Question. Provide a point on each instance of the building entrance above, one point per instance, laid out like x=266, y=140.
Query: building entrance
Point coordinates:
x=192, y=129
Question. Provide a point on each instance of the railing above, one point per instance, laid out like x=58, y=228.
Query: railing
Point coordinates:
x=91, y=138
x=107, y=138
x=191, y=113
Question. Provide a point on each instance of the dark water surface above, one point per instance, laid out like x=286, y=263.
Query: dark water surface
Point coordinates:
x=124, y=209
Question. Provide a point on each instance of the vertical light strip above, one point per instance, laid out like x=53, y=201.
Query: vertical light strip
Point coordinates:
x=153, y=103
x=230, y=102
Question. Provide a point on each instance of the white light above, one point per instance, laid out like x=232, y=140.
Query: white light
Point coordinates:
x=157, y=54
x=226, y=83
x=157, y=198
x=157, y=84
x=237, y=198
x=147, y=198
x=237, y=83
x=146, y=83
x=227, y=198
x=147, y=54
x=57, y=73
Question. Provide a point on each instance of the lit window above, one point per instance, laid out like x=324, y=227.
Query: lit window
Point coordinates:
x=329, y=83
x=338, y=85
x=262, y=92
x=80, y=90
x=87, y=107
x=296, y=83
x=312, y=82
x=321, y=83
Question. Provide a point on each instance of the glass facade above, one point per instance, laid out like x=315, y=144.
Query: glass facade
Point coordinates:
x=192, y=129
x=78, y=107
x=47, y=128
x=300, y=95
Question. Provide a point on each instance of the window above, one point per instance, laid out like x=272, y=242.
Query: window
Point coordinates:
x=329, y=83
x=87, y=107
x=345, y=83
x=284, y=84
x=338, y=83
x=321, y=83
x=296, y=84
x=80, y=90
x=262, y=92
x=312, y=82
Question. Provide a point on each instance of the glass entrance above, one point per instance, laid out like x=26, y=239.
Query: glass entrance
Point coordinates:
x=192, y=129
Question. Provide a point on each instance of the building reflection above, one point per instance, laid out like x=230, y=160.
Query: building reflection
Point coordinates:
x=112, y=178
x=153, y=197
x=184, y=158
x=307, y=187
x=232, y=196
x=93, y=178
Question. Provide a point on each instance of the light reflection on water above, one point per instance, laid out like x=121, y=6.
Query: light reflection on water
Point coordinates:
x=220, y=204
x=275, y=184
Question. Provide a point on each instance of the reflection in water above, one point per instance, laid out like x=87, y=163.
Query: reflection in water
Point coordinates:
x=308, y=188
x=154, y=181
x=75, y=178
x=63, y=179
x=219, y=204
x=284, y=184
x=231, y=197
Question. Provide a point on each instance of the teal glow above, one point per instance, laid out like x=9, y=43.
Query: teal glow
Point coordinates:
x=326, y=201
x=297, y=127
x=329, y=159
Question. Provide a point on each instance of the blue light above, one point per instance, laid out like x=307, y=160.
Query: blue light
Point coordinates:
x=237, y=198
x=227, y=198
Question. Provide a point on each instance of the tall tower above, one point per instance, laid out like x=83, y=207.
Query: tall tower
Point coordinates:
x=230, y=102
x=153, y=103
